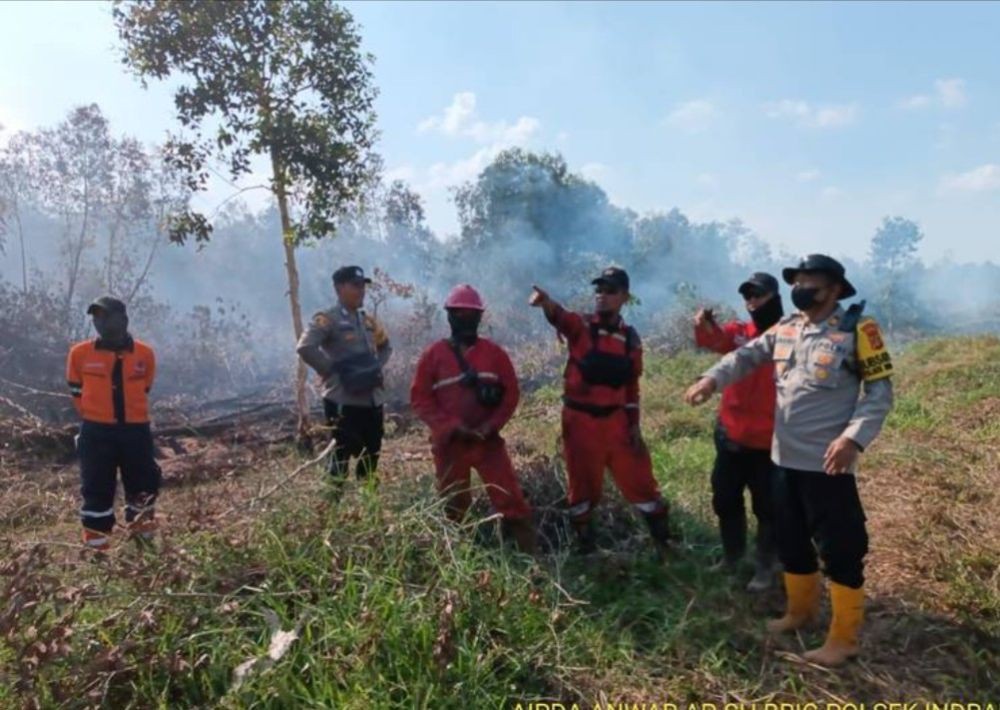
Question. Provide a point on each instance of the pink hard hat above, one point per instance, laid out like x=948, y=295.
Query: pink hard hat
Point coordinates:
x=464, y=296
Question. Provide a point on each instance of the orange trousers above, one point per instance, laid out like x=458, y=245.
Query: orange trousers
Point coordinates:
x=593, y=444
x=454, y=462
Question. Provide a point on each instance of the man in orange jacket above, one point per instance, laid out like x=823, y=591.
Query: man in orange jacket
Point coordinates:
x=109, y=378
x=465, y=389
x=743, y=433
x=600, y=417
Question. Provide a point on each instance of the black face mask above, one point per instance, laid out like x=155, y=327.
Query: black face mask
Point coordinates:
x=768, y=314
x=112, y=328
x=805, y=298
x=464, y=329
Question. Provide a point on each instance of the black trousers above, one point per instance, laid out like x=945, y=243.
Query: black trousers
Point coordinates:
x=104, y=450
x=359, y=432
x=818, y=513
x=738, y=468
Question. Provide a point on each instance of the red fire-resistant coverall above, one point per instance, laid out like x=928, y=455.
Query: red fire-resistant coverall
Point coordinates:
x=746, y=413
x=600, y=439
x=442, y=401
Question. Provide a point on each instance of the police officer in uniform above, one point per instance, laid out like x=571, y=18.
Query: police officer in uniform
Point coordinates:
x=832, y=375
x=349, y=350
x=109, y=378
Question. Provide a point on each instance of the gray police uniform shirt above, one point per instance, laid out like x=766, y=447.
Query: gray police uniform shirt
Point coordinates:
x=825, y=389
x=336, y=334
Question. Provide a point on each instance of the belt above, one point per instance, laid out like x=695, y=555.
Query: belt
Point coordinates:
x=594, y=410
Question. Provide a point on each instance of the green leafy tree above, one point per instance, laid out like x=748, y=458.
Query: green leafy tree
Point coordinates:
x=893, y=261
x=283, y=81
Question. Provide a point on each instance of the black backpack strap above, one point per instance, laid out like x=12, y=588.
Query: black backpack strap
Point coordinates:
x=471, y=376
x=630, y=337
x=595, y=333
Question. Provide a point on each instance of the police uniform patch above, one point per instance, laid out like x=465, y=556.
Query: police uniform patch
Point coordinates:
x=873, y=358
x=321, y=320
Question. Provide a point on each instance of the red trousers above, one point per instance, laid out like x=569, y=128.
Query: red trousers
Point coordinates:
x=591, y=445
x=454, y=462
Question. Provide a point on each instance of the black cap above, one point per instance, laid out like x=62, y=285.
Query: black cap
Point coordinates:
x=821, y=263
x=759, y=281
x=346, y=274
x=107, y=304
x=613, y=276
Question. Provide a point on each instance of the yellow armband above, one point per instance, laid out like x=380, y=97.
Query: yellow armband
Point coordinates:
x=874, y=361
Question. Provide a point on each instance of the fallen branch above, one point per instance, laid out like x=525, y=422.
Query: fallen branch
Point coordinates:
x=18, y=408
x=312, y=462
x=32, y=390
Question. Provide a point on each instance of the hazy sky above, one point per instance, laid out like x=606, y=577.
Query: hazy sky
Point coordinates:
x=808, y=121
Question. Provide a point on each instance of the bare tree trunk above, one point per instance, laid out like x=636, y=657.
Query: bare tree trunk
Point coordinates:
x=20, y=239
x=76, y=257
x=291, y=269
x=112, y=239
x=145, y=269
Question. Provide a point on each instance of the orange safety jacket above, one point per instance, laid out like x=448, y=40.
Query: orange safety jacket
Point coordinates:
x=111, y=386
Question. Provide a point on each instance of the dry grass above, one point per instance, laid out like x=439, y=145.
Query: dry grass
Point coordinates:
x=395, y=607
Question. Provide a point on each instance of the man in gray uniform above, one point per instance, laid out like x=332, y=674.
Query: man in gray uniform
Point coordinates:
x=833, y=394
x=349, y=349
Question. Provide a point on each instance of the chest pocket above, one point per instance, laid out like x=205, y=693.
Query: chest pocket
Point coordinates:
x=826, y=364
x=137, y=371
x=95, y=369
x=784, y=347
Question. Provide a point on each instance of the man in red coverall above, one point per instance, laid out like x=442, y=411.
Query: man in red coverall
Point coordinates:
x=465, y=389
x=743, y=433
x=600, y=417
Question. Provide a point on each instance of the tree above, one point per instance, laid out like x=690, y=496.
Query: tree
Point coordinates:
x=281, y=81
x=527, y=214
x=18, y=190
x=894, y=246
x=892, y=258
x=74, y=168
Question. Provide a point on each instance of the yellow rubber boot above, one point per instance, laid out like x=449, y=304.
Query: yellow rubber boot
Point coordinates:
x=842, y=638
x=802, y=607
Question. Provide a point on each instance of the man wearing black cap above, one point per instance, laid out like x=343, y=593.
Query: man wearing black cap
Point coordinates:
x=743, y=433
x=600, y=417
x=110, y=378
x=833, y=394
x=349, y=349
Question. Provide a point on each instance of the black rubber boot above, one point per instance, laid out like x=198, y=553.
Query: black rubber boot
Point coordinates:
x=733, y=533
x=583, y=530
x=766, y=567
x=659, y=530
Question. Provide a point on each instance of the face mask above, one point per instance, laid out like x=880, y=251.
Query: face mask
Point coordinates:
x=805, y=298
x=111, y=327
x=768, y=314
x=464, y=329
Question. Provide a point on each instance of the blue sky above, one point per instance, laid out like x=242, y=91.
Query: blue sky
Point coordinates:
x=808, y=121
